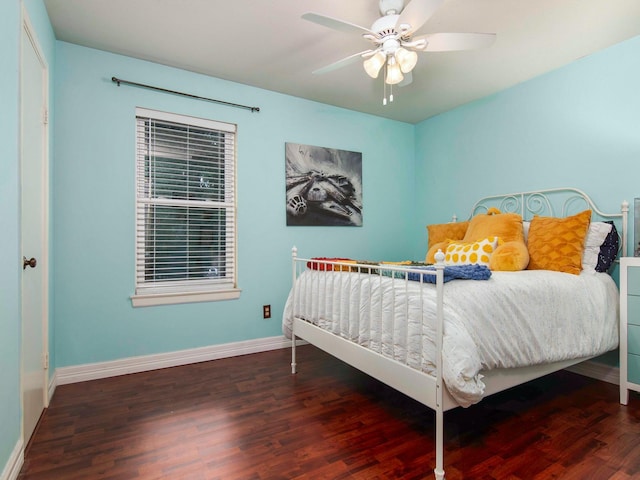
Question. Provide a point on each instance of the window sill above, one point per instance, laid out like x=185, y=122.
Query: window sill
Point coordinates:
x=191, y=297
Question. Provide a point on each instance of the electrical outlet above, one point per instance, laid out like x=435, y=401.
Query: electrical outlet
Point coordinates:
x=266, y=311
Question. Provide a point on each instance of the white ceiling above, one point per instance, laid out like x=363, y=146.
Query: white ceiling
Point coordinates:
x=265, y=43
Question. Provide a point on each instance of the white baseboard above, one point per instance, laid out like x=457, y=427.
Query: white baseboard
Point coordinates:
x=14, y=464
x=597, y=370
x=94, y=371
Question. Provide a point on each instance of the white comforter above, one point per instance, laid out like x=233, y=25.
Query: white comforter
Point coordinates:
x=513, y=319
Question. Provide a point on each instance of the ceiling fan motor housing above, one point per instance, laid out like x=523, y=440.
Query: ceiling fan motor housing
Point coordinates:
x=387, y=36
x=385, y=26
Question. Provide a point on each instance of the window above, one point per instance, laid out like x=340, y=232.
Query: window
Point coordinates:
x=185, y=209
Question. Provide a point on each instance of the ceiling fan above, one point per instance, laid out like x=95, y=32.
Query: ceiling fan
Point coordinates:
x=394, y=45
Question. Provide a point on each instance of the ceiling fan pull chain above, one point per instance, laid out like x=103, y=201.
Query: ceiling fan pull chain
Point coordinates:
x=384, y=85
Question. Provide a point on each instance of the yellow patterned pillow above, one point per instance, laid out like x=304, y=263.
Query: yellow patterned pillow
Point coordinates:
x=471, y=253
x=557, y=243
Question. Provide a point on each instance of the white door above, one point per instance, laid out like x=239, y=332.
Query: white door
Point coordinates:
x=34, y=201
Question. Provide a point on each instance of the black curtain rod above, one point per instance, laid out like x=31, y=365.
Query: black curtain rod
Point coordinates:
x=118, y=81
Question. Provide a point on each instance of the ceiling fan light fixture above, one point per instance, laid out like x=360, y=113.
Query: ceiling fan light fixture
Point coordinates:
x=373, y=64
x=406, y=59
x=394, y=74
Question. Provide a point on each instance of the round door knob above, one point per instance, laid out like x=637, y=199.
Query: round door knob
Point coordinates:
x=28, y=263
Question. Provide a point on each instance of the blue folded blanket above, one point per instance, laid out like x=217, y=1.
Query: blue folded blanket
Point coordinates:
x=453, y=272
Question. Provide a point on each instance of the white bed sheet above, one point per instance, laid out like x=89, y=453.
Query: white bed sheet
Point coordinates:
x=513, y=319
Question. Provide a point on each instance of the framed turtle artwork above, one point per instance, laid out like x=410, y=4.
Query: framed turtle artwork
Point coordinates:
x=324, y=186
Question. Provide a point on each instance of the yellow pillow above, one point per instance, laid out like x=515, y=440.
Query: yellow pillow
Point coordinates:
x=506, y=226
x=557, y=243
x=509, y=257
x=478, y=253
x=443, y=232
x=511, y=253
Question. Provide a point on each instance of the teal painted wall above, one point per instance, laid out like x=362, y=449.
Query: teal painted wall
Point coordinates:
x=576, y=126
x=93, y=207
x=10, y=409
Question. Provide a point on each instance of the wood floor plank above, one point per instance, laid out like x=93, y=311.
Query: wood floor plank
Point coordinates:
x=248, y=418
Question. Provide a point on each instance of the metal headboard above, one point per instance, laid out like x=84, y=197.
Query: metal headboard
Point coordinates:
x=555, y=202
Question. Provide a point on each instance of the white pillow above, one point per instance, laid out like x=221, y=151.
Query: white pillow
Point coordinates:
x=596, y=236
x=525, y=231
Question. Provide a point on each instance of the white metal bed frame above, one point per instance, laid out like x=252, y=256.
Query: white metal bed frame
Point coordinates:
x=421, y=386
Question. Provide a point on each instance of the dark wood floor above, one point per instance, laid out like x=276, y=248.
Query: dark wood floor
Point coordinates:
x=249, y=418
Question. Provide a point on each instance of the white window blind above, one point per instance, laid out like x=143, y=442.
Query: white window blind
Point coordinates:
x=185, y=204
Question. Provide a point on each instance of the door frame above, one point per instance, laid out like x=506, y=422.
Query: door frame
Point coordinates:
x=43, y=262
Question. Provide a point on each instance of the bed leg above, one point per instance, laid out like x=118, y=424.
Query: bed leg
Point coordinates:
x=294, y=273
x=293, y=354
x=439, y=470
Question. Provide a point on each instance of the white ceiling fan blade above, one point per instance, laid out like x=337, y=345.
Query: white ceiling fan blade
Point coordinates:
x=335, y=24
x=448, y=42
x=343, y=62
x=416, y=13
